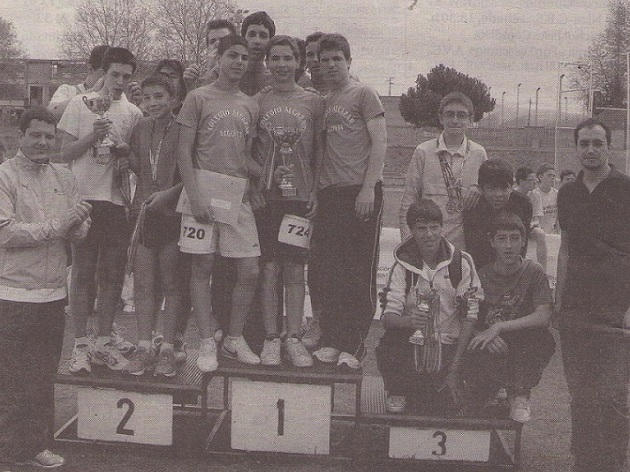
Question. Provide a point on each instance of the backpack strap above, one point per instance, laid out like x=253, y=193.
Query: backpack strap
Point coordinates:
x=455, y=271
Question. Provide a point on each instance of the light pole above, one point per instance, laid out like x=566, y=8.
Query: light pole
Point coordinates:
x=502, y=110
x=566, y=109
x=529, y=114
x=536, y=109
x=518, y=93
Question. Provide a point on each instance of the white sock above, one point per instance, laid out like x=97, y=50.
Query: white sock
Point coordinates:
x=145, y=344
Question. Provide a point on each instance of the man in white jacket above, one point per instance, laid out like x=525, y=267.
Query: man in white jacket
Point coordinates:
x=40, y=209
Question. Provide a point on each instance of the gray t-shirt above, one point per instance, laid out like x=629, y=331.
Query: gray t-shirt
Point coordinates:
x=348, y=143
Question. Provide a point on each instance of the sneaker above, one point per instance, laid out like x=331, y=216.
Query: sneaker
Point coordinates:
x=125, y=347
x=395, y=404
x=141, y=361
x=237, y=348
x=207, y=358
x=312, y=335
x=270, y=354
x=109, y=356
x=157, y=339
x=47, y=459
x=80, y=362
x=166, y=364
x=298, y=354
x=519, y=409
x=179, y=349
x=349, y=360
x=328, y=355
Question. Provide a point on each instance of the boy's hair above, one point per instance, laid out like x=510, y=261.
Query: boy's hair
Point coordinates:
x=228, y=41
x=219, y=24
x=522, y=173
x=118, y=56
x=506, y=221
x=495, y=173
x=178, y=67
x=301, y=44
x=259, y=18
x=96, y=56
x=592, y=123
x=566, y=173
x=544, y=168
x=314, y=37
x=283, y=40
x=424, y=209
x=459, y=98
x=335, y=42
x=36, y=113
x=162, y=81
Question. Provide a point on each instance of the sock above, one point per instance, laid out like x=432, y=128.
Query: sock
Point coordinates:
x=145, y=344
x=167, y=347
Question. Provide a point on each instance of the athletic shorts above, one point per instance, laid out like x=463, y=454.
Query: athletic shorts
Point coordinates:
x=268, y=220
x=239, y=240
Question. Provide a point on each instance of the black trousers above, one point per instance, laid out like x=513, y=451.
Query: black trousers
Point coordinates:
x=347, y=248
x=31, y=337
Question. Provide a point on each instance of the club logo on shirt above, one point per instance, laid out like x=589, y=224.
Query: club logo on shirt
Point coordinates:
x=338, y=111
x=229, y=133
x=265, y=121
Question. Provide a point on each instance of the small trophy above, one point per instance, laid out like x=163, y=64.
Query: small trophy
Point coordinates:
x=286, y=138
x=99, y=105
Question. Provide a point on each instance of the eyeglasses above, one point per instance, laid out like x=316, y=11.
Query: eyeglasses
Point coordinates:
x=461, y=115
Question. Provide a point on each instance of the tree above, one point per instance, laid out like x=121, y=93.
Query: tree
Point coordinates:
x=124, y=23
x=181, y=26
x=607, y=57
x=419, y=105
x=10, y=47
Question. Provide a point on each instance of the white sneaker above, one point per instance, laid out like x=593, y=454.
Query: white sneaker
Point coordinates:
x=237, y=348
x=349, y=360
x=109, y=356
x=328, y=355
x=297, y=353
x=395, y=404
x=125, y=347
x=520, y=409
x=312, y=335
x=270, y=354
x=157, y=339
x=80, y=362
x=207, y=358
x=46, y=459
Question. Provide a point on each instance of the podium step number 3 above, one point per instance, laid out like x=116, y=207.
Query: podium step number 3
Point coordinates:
x=439, y=444
x=114, y=415
x=280, y=417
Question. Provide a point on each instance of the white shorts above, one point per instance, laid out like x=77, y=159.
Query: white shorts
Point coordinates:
x=237, y=241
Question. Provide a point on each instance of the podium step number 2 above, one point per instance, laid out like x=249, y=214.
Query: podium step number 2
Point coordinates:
x=280, y=417
x=439, y=444
x=114, y=415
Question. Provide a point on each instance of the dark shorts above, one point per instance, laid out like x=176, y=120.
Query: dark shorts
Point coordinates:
x=109, y=224
x=268, y=221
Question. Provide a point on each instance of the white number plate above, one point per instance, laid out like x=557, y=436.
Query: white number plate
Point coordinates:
x=114, y=415
x=295, y=231
x=439, y=444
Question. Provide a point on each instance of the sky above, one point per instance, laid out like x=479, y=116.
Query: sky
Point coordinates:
x=501, y=42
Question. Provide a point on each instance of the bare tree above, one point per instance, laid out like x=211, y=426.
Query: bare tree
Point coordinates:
x=124, y=23
x=10, y=47
x=181, y=26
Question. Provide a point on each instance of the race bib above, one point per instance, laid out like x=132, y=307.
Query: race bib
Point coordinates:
x=295, y=231
x=195, y=238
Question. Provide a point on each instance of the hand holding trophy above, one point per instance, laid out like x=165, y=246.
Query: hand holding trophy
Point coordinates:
x=99, y=105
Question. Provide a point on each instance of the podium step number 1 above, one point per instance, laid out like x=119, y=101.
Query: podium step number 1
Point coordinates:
x=439, y=444
x=115, y=415
x=280, y=417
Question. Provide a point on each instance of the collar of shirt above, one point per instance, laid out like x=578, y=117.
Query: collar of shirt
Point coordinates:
x=441, y=146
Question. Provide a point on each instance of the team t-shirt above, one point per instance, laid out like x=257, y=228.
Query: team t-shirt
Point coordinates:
x=96, y=180
x=545, y=205
x=348, y=143
x=513, y=296
x=224, y=122
x=298, y=115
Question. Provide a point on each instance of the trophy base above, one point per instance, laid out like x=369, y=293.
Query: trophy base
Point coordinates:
x=289, y=192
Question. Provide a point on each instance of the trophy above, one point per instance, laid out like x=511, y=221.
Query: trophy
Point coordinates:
x=285, y=138
x=99, y=105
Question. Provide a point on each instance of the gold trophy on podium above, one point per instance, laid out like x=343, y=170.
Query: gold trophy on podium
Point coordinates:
x=99, y=105
x=285, y=138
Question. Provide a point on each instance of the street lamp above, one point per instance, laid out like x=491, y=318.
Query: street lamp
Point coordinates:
x=518, y=93
x=536, y=109
x=566, y=109
x=502, y=110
